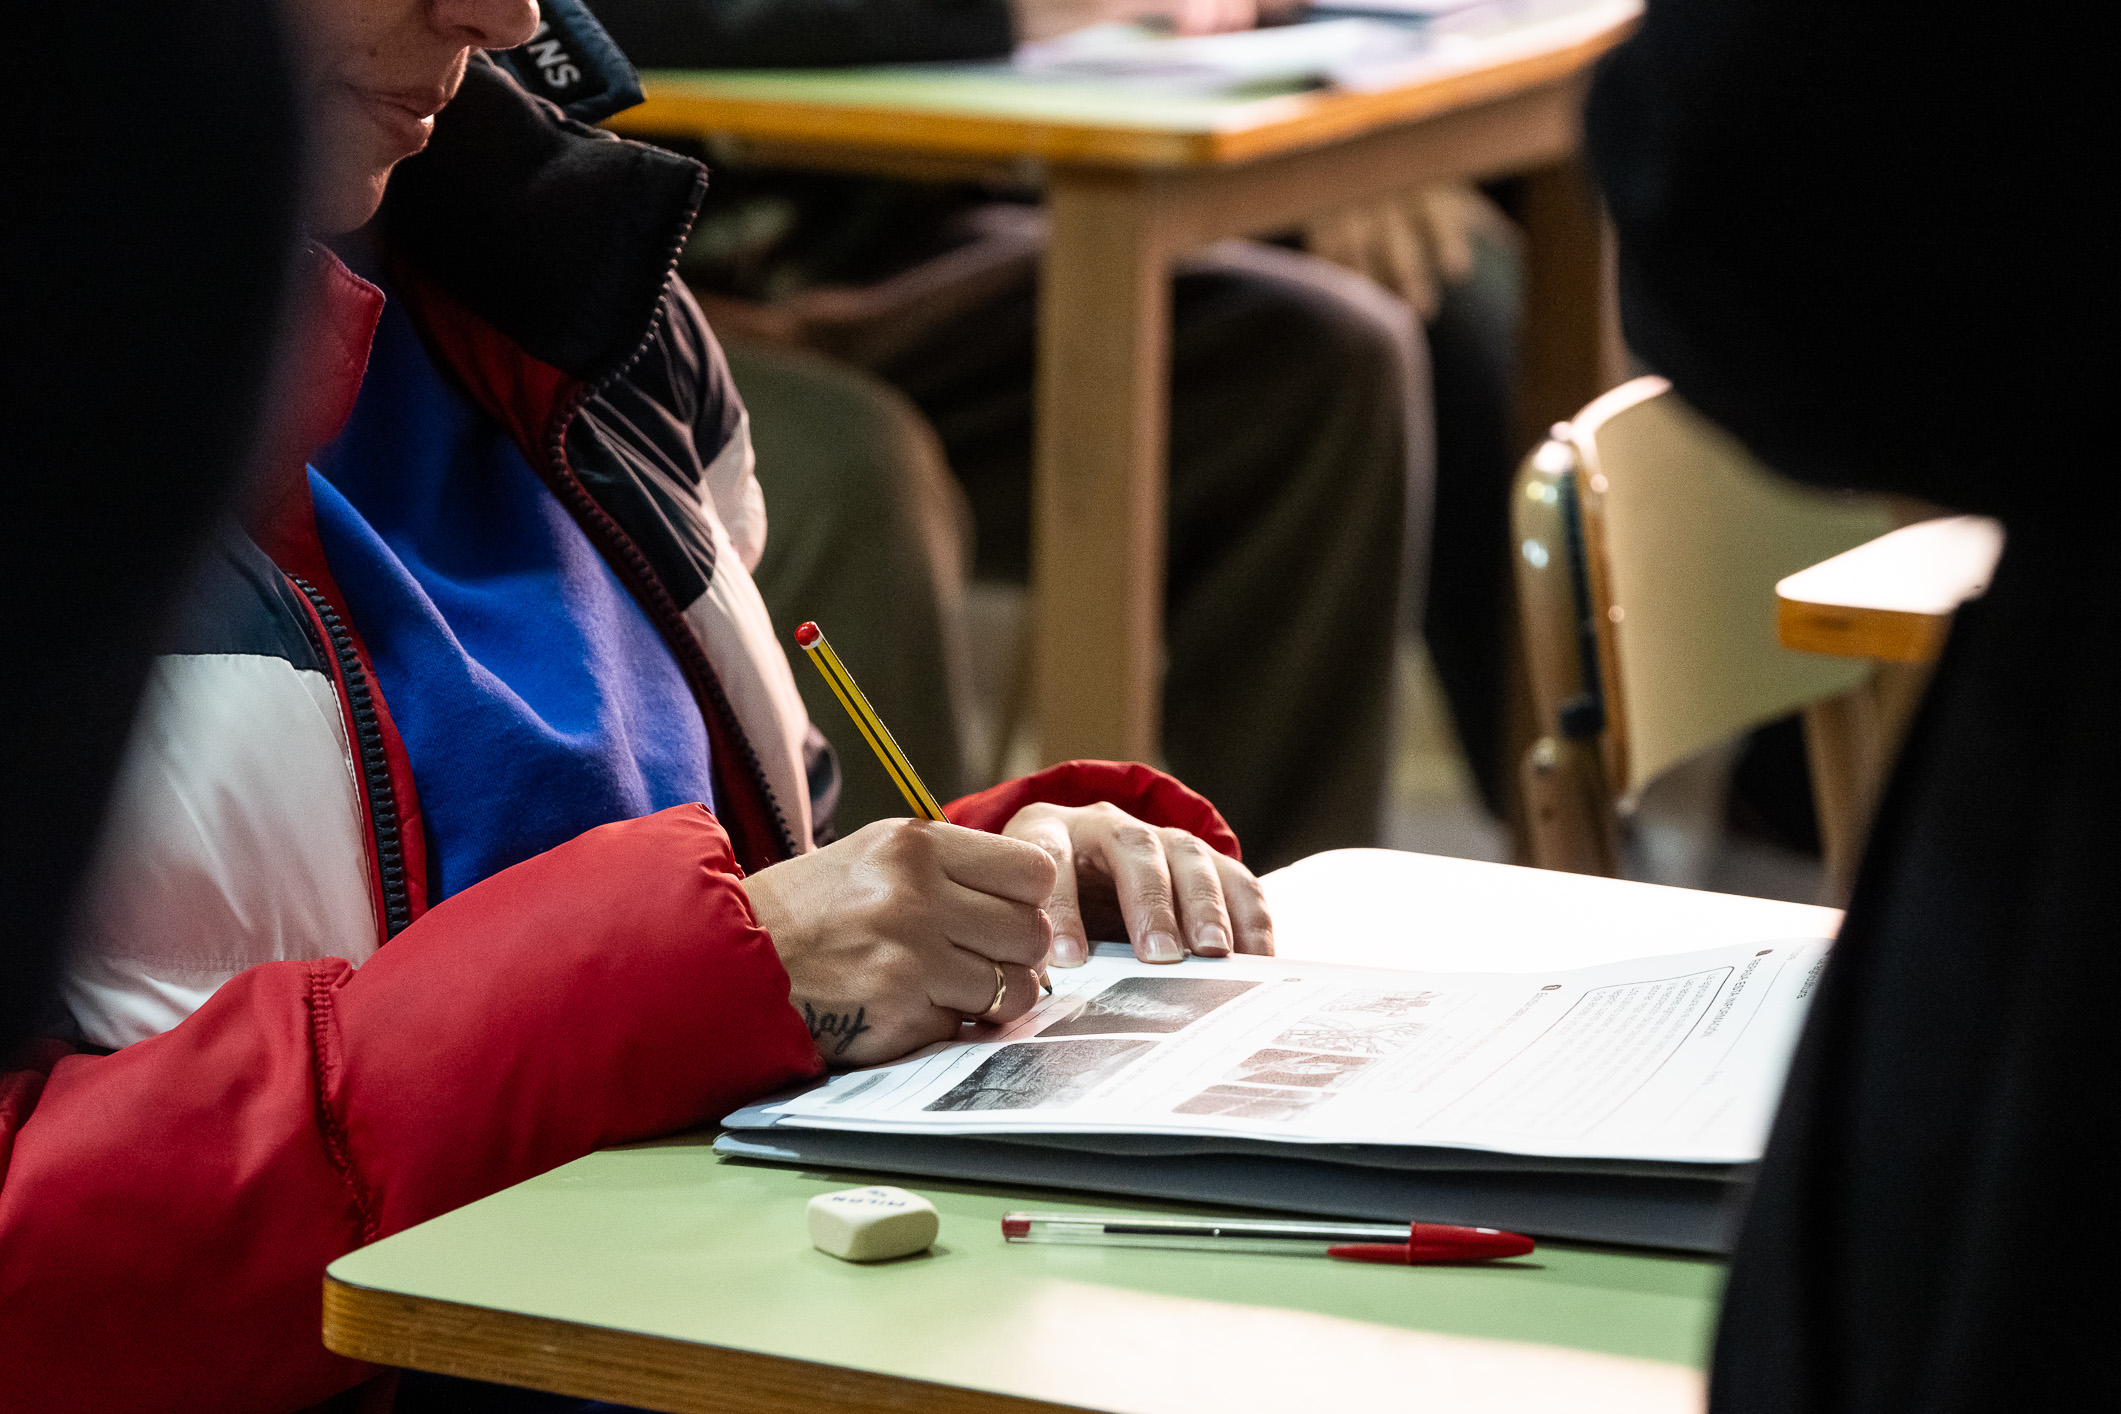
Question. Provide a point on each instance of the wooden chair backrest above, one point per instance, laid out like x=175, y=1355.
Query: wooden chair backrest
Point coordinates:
x=1687, y=535
x=1649, y=543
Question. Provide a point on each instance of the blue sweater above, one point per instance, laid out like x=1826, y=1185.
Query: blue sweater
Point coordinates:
x=534, y=697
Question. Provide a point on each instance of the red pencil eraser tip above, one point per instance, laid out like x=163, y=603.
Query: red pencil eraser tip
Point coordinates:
x=806, y=634
x=1016, y=1227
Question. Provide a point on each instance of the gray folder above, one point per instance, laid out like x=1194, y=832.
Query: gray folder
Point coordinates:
x=1679, y=1207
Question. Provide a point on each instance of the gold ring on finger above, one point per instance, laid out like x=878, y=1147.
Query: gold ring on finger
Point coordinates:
x=1001, y=993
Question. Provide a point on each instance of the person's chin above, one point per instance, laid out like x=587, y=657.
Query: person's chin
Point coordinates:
x=336, y=207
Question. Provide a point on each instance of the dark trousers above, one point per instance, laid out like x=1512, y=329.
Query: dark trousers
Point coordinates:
x=1299, y=505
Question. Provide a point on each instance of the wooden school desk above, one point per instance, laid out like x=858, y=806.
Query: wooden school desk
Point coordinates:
x=1132, y=181
x=665, y=1277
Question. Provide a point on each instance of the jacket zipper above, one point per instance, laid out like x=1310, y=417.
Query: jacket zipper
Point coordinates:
x=654, y=597
x=647, y=585
x=368, y=752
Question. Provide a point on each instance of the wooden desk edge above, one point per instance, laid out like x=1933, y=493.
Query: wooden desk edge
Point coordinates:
x=1889, y=635
x=1317, y=120
x=602, y=1362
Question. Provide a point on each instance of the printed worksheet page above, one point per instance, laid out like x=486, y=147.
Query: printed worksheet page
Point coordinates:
x=1677, y=1058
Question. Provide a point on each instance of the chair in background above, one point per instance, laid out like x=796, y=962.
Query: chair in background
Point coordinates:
x=1649, y=545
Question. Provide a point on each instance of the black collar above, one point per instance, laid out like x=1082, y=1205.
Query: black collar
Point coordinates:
x=560, y=236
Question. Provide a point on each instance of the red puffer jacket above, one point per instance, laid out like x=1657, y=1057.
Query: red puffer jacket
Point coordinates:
x=279, y=1052
x=167, y=1211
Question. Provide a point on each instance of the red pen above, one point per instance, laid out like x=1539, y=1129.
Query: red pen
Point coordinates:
x=1408, y=1244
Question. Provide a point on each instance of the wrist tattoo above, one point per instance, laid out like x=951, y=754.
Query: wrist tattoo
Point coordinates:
x=826, y=1025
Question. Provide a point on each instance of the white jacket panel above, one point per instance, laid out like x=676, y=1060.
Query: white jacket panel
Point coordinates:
x=235, y=836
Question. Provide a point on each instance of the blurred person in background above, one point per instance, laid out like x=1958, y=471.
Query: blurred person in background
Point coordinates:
x=1865, y=239
x=883, y=334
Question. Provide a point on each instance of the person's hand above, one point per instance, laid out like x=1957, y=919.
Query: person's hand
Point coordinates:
x=1039, y=20
x=1416, y=244
x=1170, y=892
x=898, y=933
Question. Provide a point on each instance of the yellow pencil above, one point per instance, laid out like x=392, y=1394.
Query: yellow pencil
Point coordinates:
x=873, y=729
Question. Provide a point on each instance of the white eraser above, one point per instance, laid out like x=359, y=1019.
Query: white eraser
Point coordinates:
x=871, y=1224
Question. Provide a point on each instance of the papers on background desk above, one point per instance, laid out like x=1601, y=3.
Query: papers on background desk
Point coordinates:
x=1669, y=1060
x=1261, y=58
x=1365, y=45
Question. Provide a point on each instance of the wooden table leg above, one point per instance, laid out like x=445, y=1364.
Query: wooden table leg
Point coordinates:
x=1098, y=487
x=1572, y=350
x=1851, y=742
x=1570, y=353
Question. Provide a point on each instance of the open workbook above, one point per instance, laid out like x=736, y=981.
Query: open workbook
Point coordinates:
x=1613, y=1101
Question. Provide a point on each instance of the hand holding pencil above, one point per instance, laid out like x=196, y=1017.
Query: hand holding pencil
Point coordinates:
x=898, y=934
x=1163, y=888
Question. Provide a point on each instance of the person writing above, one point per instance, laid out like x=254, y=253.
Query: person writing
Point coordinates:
x=472, y=821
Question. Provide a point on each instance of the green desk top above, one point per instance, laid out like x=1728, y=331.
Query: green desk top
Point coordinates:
x=987, y=90
x=669, y=1240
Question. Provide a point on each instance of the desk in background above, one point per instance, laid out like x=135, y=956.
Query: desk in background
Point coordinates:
x=664, y=1276
x=1133, y=181
x=1892, y=600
